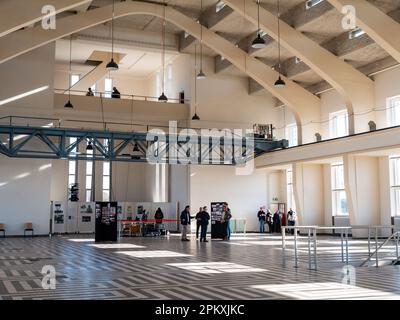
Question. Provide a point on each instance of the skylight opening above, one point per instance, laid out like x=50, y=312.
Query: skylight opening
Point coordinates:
x=312, y=3
x=219, y=6
x=358, y=32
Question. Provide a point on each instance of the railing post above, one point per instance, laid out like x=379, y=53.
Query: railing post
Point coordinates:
x=296, y=265
x=342, y=243
x=347, y=246
x=284, y=246
x=309, y=248
x=369, y=241
x=397, y=245
x=315, y=249
x=376, y=247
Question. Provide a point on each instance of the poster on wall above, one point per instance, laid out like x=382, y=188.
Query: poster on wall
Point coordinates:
x=129, y=211
x=106, y=221
x=217, y=227
x=86, y=220
x=59, y=216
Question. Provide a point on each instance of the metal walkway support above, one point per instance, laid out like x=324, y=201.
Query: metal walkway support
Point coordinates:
x=155, y=146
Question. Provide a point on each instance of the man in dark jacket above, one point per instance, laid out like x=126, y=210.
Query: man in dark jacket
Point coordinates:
x=185, y=222
x=198, y=222
x=204, y=219
x=277, y=221
x=261, y=215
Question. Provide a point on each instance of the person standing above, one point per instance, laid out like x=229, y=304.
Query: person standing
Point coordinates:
x=185, y=222
x=198, y=222
x=115, y=94
x=283, y=218
x=291, y=217
x=226, y=218
x=269, y=221
x=261, y=215
x=204, y=220
x=159, y=216
x=277, y=221
x=89, y=93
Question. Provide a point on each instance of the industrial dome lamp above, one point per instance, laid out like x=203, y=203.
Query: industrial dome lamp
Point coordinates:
x=112, y=65
x=258, y=42
x=89, y=146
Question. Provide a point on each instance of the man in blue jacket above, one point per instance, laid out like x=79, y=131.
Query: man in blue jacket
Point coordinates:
x=185, y=222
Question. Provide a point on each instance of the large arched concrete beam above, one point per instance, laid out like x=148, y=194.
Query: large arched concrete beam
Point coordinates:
x=356, y=89
x=379, y=26
x=305, y=106
x=17, y=14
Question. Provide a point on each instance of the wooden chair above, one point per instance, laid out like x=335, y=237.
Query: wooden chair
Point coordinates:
x=3, y=229
x=28, y=227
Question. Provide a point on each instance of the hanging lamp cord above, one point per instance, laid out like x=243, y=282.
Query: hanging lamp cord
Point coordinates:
x=195, y=79
x=258, y=17
x=112, y=30
x=70, y=67
x=279, y=39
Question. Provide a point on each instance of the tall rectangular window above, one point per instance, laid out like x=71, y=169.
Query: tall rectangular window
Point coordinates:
x=108, y=87
x=93, y=87
x=89, y=176
x=395, y=185
x=72, y=165
x=393, y=111
x=291, y=134
x=74, y=79
x=106, y=181
x=289, y=190
x=339, y=199
x=338, y=124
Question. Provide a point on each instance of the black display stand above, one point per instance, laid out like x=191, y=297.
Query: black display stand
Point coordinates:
x=106, y=221
x=218, y=229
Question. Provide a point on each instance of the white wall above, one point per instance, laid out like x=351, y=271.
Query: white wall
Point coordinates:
x=126, y=84
x=26, y=198
x=25, y=195
x=309, y=193
x=245, y=194
x=386, y=85
x=27, y=72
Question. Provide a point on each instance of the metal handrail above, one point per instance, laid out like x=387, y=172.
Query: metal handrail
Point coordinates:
x=312, y=245
x=311, y=232
x=395, y=234
x=122, y=95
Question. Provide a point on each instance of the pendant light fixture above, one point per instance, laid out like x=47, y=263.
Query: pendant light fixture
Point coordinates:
x=69, y=104
x=163, y=97
x=89, y=147
x=136, y=147
x=280, y=83
x=112, y=65
x=195, y=117
x=258, y=42
x=201, y=75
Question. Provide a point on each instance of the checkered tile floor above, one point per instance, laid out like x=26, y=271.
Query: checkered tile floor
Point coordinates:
x=247, y=267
